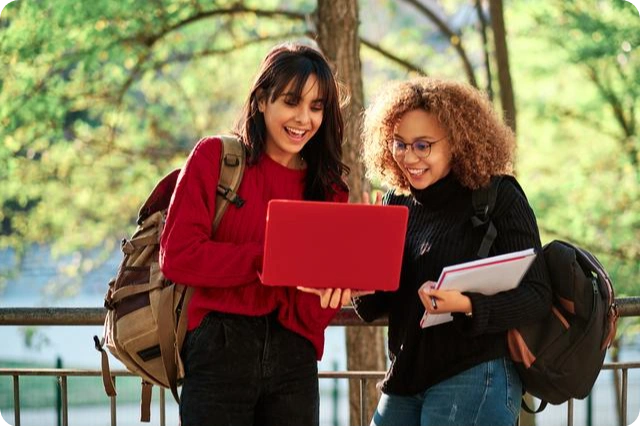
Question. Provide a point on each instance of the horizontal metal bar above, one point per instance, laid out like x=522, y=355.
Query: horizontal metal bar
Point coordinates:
x=41, y=372
x=85, y=316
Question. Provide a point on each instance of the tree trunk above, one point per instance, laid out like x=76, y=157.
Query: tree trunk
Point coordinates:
x=502, y=59
x=482, y=28
x=337, y=24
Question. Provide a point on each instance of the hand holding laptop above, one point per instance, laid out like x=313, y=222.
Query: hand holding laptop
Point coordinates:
x=332, y=297
x=374, y=198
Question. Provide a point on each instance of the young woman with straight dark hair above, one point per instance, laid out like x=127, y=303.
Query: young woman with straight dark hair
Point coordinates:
x=250, y=355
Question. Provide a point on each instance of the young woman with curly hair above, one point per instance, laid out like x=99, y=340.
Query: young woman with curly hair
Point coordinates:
x=433, y=142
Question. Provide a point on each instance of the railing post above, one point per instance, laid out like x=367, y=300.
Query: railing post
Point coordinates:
x=16, y=399
x=163, y=421
x=58, y=394
x=625, y=378
x=65, y=402
x=113, y=404
x=570, y=412
x=335, y=396
x=362, y=399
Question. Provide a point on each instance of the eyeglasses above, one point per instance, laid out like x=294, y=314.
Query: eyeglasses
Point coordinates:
x=421, y=148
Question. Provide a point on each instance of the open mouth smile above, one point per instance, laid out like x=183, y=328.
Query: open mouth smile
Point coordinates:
x=295, y=133
x=416, y=172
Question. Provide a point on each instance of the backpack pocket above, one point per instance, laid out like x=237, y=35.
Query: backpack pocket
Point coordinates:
x=578, y=366
x=529, y=342
x=144, y=349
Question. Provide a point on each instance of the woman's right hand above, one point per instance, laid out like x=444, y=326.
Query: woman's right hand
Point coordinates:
x=367, y=198
x=334, y=298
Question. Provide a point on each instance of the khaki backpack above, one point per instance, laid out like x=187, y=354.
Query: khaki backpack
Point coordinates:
x=146, y=318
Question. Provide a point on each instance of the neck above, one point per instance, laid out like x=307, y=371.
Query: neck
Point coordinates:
x=290, y=161
x=442, y=193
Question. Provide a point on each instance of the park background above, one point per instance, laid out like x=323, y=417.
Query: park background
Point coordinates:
x=100, y=99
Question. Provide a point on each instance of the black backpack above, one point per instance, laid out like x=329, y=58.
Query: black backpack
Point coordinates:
x=559, y=357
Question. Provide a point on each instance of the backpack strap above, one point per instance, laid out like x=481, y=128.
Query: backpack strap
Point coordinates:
x=543, y=404
x=483, y=201
x=107, y=380
x=232, y=162
x=168, y=343
x=606, y=287
x=145, y=401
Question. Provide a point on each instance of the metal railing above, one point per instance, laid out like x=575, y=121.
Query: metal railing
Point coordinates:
x=362, y=376
x=346, y=317
x=62, y=376
x=52, y=316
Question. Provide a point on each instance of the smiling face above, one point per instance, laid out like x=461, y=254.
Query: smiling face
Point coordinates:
x=292, y=121
x=421, y=126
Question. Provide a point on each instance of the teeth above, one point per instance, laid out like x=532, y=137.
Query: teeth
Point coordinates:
x=416, y=171
x=297, y=132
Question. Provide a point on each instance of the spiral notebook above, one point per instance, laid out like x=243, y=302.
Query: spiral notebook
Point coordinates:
x=487, y=276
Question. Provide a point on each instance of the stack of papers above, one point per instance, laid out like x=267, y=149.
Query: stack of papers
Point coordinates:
x=487, y=276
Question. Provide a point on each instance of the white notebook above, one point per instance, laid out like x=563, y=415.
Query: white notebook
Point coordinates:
x=487, y=276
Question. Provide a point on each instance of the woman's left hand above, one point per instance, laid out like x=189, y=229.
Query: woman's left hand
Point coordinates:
x=441, y=301
x=334, y=298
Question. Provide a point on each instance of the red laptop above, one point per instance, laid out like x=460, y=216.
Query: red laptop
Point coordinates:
x=334, y=245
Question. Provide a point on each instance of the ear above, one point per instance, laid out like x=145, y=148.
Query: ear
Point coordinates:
x=262, y=100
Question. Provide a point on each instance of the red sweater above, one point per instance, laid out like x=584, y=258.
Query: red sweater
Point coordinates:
x=223, y=268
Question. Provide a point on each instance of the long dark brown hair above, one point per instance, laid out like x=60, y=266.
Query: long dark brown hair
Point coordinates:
x=294, y=63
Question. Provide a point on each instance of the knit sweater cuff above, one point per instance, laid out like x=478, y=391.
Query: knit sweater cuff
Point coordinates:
x=477, y=323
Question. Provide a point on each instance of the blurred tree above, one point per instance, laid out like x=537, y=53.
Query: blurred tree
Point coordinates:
x=92, y=119
x=591, y=115
x=337, y=24
x=507, y=100
x=99, y=99
x=602, y=40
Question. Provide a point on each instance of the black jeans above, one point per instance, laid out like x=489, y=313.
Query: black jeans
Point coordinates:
x=245, y=370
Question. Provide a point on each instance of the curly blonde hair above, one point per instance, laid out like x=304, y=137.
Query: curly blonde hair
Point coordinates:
x=481, y=144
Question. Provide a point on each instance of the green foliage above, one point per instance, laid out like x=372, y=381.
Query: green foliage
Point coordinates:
x=576, y=69
x=100, y=99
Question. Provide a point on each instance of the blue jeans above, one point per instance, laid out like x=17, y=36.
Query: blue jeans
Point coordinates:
x=245, y=370
x=487, y=394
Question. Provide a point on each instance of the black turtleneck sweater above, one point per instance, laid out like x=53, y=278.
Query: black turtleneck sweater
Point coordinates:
x=440, y=233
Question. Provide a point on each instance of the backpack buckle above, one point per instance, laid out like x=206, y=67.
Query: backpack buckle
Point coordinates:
x=230, y=195
x=99, y=344
x=231, y=160
x=480, y=217
x=108, y=305
x=127, y=247
x=482, y=212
